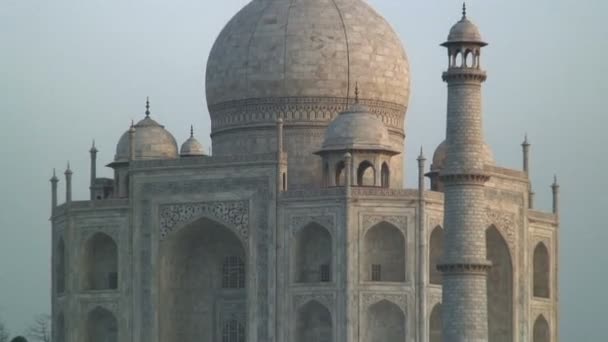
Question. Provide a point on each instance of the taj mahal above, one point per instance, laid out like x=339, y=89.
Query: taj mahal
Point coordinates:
x=295, y=226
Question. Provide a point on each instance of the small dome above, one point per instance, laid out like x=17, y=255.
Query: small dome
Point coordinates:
x=357, y=129
x=440, y=155
x=464, y=31
x=192, y=147
x=152, y=141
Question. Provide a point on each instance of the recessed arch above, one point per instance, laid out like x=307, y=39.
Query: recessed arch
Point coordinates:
x=100, y=262
x=469, y=59
x=60, y=267
x=383, y=257
x=101, y=326
x=385, y=175
x=366, y=174
x=499, y=287
x=435, y=254
x=541, y=271
x=314, y=323
x=326, y=179
x=313, y=250
x=541, y=332
x=435, y=324
x=199, y=263
x=340, y=176
x=459, y=60
x=385, y=322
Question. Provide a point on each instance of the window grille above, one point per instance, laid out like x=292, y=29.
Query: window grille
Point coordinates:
x=376, y=272
x=325, y=273
x=233, y=331
x=233, y=273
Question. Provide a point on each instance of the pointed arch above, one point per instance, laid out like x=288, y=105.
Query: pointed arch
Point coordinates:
x=198, y=264
x=313, y=254
x=385, y=322
x=100, y=261
x=435, y=254
x=435, y=324
x=383, y=257
x=542, y=332
x=340, y=176
x=314, y=323
x=60, y=270
x=101, y=326
x=326, y=179
x=366, y=174
x=541, y=271
x=499, y=287
x=385, y=178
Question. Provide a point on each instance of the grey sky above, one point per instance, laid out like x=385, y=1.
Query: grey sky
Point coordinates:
x=72, y=70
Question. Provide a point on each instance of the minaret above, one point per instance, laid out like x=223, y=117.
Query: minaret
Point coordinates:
x=68, y=184
x=555, y=190
x=525, y=146
x=422, y=252
x=54, y=180
x=464, y=263
x=93, y=151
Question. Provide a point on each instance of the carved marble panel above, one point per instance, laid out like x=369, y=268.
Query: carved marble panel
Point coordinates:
x=398, y=221
x=327, y=299
x=504, y=222
x=369, y=299
x=235, y=214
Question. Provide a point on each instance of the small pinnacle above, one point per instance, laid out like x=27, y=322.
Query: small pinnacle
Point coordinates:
x=464, y=10
x=147, y=107
x=93, y=148
x=356, y=92
x=421, y=156
x=68, y=171
x=555, y=184
x=191, y=131
x=54, y=178
x=526, y=143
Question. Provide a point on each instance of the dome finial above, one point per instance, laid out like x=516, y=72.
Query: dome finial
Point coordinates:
x=147, y=106
x=191, y=131
x=356, y=92
x=464, y=10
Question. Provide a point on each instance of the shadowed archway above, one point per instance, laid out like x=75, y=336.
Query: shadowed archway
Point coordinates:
x=499, y=288
x=314, y=323
x=203, y=269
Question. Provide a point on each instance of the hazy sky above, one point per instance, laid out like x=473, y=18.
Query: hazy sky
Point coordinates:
x=72, y=71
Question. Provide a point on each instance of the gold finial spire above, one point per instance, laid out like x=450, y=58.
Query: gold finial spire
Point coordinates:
x=191, y=131
x=464, y=10
x=356, y=92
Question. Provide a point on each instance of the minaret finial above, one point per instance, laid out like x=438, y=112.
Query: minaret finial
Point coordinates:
x=464, y=10
x=356, y=92
x=147, y=106
x=191, y=131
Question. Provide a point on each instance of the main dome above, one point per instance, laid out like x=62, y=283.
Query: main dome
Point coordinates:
x=307, y=49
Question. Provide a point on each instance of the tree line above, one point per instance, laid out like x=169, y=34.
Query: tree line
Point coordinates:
x=38, y=331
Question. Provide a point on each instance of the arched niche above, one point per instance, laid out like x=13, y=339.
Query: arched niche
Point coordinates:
x=499, y=288
x=326, y=179
x=541, y=271
x=435, y=324
x=385, y=322
x=542, y=332
x=100, y=261
x=385, y=175
x=202, y=274
x=60, y=270
x=340, y=175
x=366, y=174
x=314, y=323
x=435, y=254
x=313, y=254
x=101, y=326
x=383, y=257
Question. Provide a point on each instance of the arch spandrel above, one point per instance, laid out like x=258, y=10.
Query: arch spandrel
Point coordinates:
x=232, y=214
